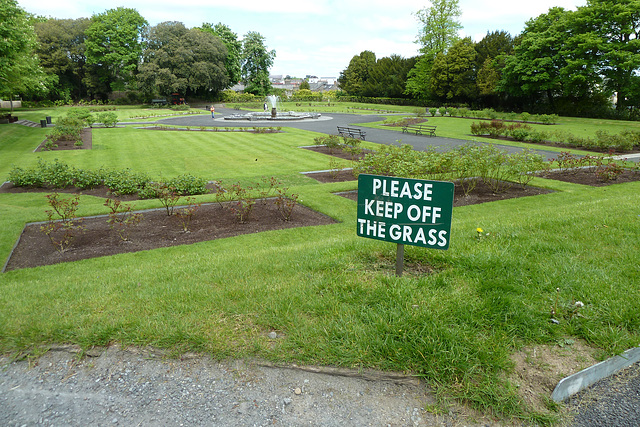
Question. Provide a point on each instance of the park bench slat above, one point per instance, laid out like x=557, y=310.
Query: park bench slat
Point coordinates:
x=420, y=129
x=351, y=132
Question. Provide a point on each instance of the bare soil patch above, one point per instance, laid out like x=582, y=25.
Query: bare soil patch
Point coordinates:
x=538, y=369
x=332, y=176
x=156, y=230
x=588, y=177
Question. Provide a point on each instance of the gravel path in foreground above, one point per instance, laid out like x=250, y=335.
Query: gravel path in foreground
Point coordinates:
x=133, y=388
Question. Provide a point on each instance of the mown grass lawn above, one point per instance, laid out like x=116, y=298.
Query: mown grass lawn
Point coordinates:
x=331, y=295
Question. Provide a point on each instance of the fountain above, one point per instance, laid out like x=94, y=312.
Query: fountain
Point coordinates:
x=272, y=100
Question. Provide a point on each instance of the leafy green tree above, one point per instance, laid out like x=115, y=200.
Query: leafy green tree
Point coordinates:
x=304, y=85
x=417, y=85
x=453, y=75
x=609, y=33
x=388, y=77
x=61, y=50
x=440, y=27
x=492, y=46
x=234, y=50
x=187, y=61
x=19, y=68
x=256, y=61
x=113, y=49
x=353, y=79
x=488, y=77
x=536, y=64
x=489, y=64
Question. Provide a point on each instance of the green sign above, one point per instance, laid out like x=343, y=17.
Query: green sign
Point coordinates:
x=405, y=211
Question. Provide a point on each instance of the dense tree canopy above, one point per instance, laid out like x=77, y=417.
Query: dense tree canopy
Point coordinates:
x=61, y=49
x=19, y=67
x=453, y=75
x=371, y=77
x=113, y=49
x=572, y=62
x=440, y=26
x=187, y=61
x=438, y=33
x=611, y=30
x=388, y=77
x=352, y=80
x=535, y=67
x=234, y=50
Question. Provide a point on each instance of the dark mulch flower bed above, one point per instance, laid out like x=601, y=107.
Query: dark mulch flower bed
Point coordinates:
x=156, y=230
x=65, y=144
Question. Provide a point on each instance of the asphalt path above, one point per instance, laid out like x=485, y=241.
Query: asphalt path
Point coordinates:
x=328, y=124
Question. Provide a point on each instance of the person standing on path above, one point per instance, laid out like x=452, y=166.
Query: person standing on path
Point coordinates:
x=213, y=111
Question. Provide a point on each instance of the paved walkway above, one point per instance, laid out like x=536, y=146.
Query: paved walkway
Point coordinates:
x=328, y=124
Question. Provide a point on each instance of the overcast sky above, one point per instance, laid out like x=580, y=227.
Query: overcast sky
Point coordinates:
x=316, y=37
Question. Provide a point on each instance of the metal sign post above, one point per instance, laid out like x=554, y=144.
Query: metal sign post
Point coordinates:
x=400, y=260
x=405, y=211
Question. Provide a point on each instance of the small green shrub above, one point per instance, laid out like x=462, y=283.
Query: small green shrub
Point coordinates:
x=67, y=128
x=26, y=177
x=57, y=174
x=186, y=214
x=125, y=181
x=518, y=131
x=62, y=224
x=537, y=136
x=623, y=141
x=548, y=119
x=524, y=164
x=188, y=185
x=108, y=119
x=609, y=171
x=122, y=218
x=88, y=179
x=82, y=114
x=330, y=141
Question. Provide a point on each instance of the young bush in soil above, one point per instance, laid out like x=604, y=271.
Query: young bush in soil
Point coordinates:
x=62, y=224
x=122, y=218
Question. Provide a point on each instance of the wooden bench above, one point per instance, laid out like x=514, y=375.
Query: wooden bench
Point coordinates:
x=351, y=132
x=420, y=129
x=159, y=102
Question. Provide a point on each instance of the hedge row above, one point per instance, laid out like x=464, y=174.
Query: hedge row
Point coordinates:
x=59, y=175
x=627, y=140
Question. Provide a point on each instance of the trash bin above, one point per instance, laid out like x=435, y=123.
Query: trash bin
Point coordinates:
x=43, y=123
x=48, y=120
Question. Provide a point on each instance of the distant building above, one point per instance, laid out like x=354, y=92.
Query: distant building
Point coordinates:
x=290, y=85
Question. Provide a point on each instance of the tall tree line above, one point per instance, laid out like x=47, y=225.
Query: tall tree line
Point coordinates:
x=117, y=50
x=584, y=62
